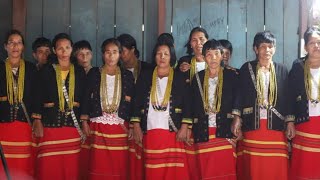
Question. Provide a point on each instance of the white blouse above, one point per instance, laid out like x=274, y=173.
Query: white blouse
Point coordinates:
x=266, y=82
x=314, y=109
x=212, y=89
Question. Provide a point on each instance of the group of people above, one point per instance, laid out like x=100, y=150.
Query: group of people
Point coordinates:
x=198, y=118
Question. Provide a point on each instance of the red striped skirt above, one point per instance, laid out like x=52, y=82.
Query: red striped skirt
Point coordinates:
x=263, y=155
x=109, y=155
x=16, y=140
x=165, y=158
x=84, y=160
x=136, y=160
x=306, y=151
x=192, y=160
x=58, y=154
x=216, y=158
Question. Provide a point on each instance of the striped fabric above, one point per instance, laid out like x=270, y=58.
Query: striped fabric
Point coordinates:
x=165, y=158
x=58, y=154
x=109, y=152
x=306, y=151
x=263, y=155
x=16, y=141
x=136, y=160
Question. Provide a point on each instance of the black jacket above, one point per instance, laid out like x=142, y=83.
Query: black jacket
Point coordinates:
x=246, y=100
x=299, y=105
x=47, y=108
x=186, y=75
x=180, y=100
x=9, y=113
x=92, y=102
x=224, y=117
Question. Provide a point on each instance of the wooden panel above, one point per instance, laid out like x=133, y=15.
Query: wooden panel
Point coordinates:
x=291, y=29
x=151, y=29
x=255, y=23
x=237, y=31
x=33, y=26
x=186, y=16
x=214, y=18
x=56, y=17
x=129, y=19
x=168, y=15
x=83, y=22
x=5, y=25
x=274, y=23
x=105, y=21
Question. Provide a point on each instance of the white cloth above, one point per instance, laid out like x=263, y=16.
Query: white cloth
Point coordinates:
x=131, y=69
x=200, y=66
x=314, y=109
x=266, y=82
x=111, y=119
x=212, y=91
x=159, y=119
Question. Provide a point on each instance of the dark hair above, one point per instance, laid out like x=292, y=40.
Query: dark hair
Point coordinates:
x=83, y=44
x=309, y=32
x=59, y=37
x=212, y=45
x=127, y=41
x=12, y=32
x=110, y=41
x=264, y=37
x=226, y=44
x=173, y=57
x=167, y=37
x=194, y=30
x=41, y=42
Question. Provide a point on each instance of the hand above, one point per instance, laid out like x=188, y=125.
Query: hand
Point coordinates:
x=184, y=67
x=37, y=128
x=130, y=134
x=189, y=141
x=291, y=131
x=137, y=133
x=86, y=128
x=182, y=133
x=236, y=127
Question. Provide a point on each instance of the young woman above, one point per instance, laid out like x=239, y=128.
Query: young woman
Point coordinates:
x=17, y=78
x=163, y=112
x=108, y=107
x=214, y=90
x=60, y=92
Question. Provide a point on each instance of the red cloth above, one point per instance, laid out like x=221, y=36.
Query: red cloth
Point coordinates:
x=263, y=155
x=306, y=151
x=18, y=148
x=136, y=160
x=109, y=154
x=216, y=158
x=165, y=158
x=58, y=154
x=192, y=160
x=84, y=160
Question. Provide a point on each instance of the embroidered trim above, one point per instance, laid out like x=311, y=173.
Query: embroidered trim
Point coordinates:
x=178, y=110
x=3, y=98
x=248, y=110
x=236, y=112
x=187, y=120
x=135, y=119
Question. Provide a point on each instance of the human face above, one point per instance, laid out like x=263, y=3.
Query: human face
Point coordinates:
x=163, y=56
x=63, y=51
x=127, y=54
x=197, y=41
x=84, y=57
x=313, y=46
x=213, y=58
x=41, y=54
x=111, y=55
x=14, y=46
x=265, y=51
x=226, y=56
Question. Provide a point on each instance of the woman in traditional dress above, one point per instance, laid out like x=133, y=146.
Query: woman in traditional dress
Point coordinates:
x=60, y=92
x=17, y=78
x=108, y=107
x=162, y=114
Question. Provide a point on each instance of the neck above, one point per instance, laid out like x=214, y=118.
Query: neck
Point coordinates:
x=65, y=66
x=86, y=69
x=313, y=63
x=14, y=62
x=131, y=63
x=110, y=70
x=265, y=63
x=214, y=72
x=199, y=57
x=163, y=72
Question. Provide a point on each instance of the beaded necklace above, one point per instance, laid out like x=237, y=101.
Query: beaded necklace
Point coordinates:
x=15, y=92
x=307, y=79
x=215, y=107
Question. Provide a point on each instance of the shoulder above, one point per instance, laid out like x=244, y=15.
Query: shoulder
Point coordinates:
x=232, y=70
x=185, y=59
x=146, y=65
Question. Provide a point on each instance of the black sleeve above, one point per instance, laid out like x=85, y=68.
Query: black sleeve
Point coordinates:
x=240, y=90
x=89, y=85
